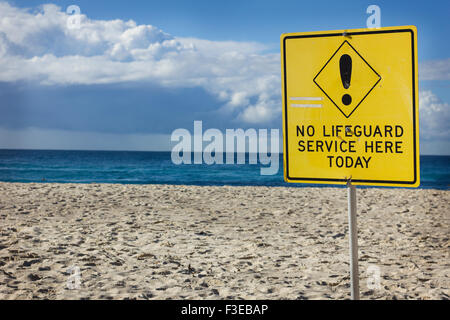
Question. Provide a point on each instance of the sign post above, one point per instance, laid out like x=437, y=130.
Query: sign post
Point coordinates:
x=350, y=112
x=353, y=240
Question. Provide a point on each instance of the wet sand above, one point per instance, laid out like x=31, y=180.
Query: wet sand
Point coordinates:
x=188, y=242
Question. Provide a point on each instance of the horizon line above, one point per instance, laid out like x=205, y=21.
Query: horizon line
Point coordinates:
x=115, y=150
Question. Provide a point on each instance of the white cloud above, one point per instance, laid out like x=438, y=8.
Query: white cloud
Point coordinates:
x=39, y=46
x=435, y=70
x=259, y=113
x=434, y=117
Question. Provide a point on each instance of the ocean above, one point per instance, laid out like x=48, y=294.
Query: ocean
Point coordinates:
x=135, y=167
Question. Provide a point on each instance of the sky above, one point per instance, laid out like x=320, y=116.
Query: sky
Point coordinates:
x=134, y=71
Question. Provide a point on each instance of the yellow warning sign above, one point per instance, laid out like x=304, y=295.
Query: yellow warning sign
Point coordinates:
x=350, y=107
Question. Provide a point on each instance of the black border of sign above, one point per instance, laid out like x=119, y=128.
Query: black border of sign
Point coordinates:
x=413, y=100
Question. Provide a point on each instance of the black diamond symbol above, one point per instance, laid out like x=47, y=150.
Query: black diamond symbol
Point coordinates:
x=347, y=96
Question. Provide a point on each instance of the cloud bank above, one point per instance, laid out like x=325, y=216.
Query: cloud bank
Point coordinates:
x=434, y=117
x=42, y=46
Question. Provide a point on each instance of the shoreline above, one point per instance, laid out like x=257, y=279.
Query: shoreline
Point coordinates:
x=159, y=241
x=289, y=186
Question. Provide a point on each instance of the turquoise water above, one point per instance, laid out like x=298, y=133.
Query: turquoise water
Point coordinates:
x=157, y=168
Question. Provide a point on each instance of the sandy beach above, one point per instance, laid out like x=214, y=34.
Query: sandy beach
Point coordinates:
x=104, y=241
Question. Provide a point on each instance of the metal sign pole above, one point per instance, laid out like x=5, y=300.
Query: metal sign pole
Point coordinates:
x=353, y=240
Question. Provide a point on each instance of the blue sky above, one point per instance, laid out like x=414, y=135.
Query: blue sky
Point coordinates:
x=121, y=84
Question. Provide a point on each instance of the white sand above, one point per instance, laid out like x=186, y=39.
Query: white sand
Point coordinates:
x=185, y=242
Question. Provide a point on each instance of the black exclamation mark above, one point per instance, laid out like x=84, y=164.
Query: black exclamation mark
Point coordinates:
x=345, y=65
